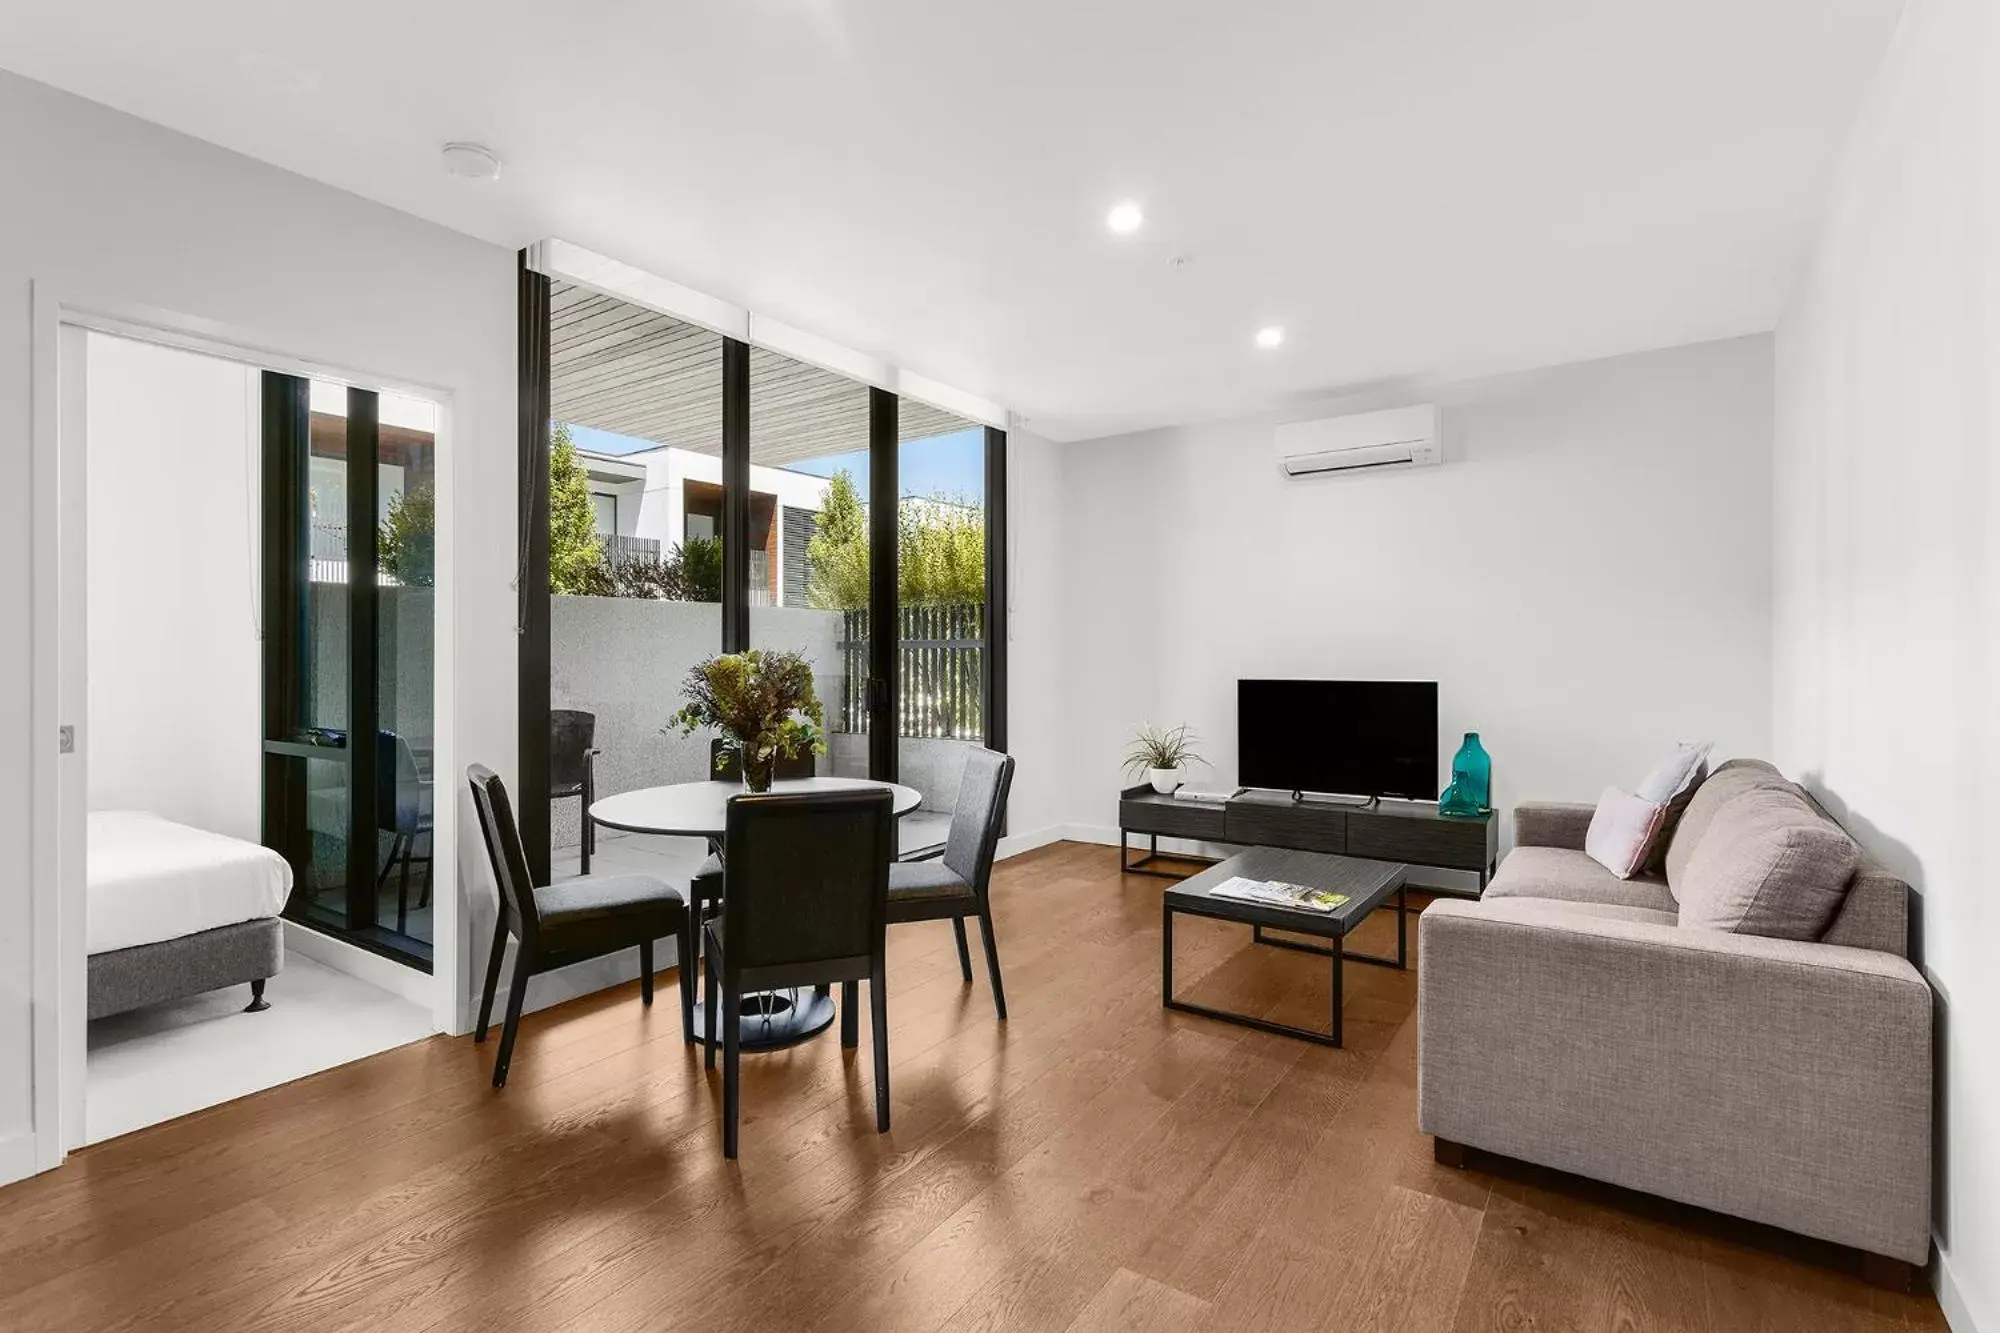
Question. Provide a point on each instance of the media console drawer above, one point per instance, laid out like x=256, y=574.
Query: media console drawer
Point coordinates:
x=1163, y=815
x=1302, y=826
x=1467, y=844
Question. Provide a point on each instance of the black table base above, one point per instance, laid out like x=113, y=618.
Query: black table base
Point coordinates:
x=775, y=1019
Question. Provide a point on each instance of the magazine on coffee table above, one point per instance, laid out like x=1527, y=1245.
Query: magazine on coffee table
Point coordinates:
x=1277, y=893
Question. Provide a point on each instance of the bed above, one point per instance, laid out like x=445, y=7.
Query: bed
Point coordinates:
x=175, y=911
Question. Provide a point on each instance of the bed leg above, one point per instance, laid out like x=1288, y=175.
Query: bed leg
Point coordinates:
x=258, y=1004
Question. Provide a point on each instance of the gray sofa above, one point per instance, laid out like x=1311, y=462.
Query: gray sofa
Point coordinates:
x=1570, y=1019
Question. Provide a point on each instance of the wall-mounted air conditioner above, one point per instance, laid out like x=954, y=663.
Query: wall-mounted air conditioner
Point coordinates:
x=1399, y=437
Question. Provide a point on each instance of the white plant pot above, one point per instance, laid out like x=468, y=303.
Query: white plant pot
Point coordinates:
x=1164, y=780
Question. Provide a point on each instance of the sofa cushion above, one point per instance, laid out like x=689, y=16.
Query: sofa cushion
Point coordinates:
x=1672, y=786
x=1622, y=832
x=1564, y=875
x=1768, y=863
x=1717, y=790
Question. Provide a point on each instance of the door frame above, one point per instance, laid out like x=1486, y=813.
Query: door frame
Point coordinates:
x=58, y=681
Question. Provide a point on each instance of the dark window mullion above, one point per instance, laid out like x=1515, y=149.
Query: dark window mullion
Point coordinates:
x=531, y=815
x=735, y=527
x=363, y=652
x=287, y=529
x=884, y=596
x=993, y=657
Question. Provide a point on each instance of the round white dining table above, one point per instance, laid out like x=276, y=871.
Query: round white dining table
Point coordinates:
x=770, y=1019
x=701, y=809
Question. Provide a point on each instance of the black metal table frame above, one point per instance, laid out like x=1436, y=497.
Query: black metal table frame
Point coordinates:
x=1139, y=867
x=1336, y=951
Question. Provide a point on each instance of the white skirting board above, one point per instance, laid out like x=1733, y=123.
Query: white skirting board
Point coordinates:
x=1951, y=1298
x=17, y=1157
x=373, y=968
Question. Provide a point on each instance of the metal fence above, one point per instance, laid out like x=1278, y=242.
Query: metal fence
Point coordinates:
x=939, y=658
x=617, y=547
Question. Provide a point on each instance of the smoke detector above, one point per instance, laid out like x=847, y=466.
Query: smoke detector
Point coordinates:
x=471, y=161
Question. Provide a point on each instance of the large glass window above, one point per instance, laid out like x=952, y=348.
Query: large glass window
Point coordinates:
x=707, y=494
x=808, y=568
x=941, y=619
x=635, y=563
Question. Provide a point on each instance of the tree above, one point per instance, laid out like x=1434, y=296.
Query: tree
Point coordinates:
x=837, y=553
x=940, y=553
x=406, y=545
x=576, y=556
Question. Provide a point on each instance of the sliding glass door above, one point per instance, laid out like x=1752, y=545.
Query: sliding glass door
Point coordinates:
x=348, y=571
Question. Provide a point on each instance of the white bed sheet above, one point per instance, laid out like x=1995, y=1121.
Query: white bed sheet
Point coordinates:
x=152, y=879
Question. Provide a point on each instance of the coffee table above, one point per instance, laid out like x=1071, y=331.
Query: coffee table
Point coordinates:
x=1367, y=884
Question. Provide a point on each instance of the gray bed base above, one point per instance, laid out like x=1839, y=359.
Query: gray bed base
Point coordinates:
x=252, y=951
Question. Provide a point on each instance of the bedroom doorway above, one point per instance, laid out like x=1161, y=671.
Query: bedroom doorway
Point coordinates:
x=210, y=965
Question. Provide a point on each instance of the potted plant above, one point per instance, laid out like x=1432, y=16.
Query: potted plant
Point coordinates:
x=1162, y=756
x=764, y=705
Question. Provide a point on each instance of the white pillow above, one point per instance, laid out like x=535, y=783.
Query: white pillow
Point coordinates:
x=1677, y=774
x=1622, y=832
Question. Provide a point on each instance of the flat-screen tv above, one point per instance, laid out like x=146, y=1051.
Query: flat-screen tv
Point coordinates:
x=1349, y=737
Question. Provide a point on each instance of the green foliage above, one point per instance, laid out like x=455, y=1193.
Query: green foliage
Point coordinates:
x=576, y=556
x=837, y=553
x=406, y=543
x=691, y=572
x=699, y=562
x=940, y=551
x=1152, y=748
x=763, y=703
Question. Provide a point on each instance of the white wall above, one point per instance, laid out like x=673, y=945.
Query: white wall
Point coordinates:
x=105, y=207
x=1038, y=670
x=1587, y=578
x=176, y=676
x=1888, y=563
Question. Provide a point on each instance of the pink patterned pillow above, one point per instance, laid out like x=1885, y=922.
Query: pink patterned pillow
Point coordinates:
x=1622, y=832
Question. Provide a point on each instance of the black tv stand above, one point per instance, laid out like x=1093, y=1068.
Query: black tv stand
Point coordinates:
x=1412, y=833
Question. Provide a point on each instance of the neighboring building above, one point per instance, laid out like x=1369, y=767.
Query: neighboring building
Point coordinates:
x=650, y=501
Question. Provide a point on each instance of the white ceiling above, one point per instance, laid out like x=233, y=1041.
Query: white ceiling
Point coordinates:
x=1410, y=187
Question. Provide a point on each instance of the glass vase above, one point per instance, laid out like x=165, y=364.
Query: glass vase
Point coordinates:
x=759, y=763
x=1471, y=791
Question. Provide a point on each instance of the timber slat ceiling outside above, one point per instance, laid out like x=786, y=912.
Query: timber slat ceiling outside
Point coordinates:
x=634, y=372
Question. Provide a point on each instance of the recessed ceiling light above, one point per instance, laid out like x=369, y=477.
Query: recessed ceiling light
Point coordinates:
x=1270, y=336
x=1125, y=219
x=471, y=161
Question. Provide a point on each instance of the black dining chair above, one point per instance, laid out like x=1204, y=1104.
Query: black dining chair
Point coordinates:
x=573, y=769
x=402, y=807
x=956, y=885
x=559, y=924
x=705, y=885
x=805, y=902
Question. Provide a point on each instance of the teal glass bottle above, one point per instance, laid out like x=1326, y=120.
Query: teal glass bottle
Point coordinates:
x=1471, y=791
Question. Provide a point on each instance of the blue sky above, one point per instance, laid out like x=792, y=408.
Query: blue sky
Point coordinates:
x=952, y=465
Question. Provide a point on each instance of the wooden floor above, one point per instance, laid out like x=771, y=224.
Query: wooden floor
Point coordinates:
x=1095, y=1163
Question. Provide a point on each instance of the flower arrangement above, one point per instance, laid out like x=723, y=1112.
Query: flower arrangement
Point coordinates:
x=764, y=705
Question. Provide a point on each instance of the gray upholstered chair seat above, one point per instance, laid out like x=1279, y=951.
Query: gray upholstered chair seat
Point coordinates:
x=710, y=865
x=924, y=881
x=1571, y=876
x=591, y=898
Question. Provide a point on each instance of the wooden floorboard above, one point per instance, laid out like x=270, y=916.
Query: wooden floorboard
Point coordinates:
x=1095, y=1163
